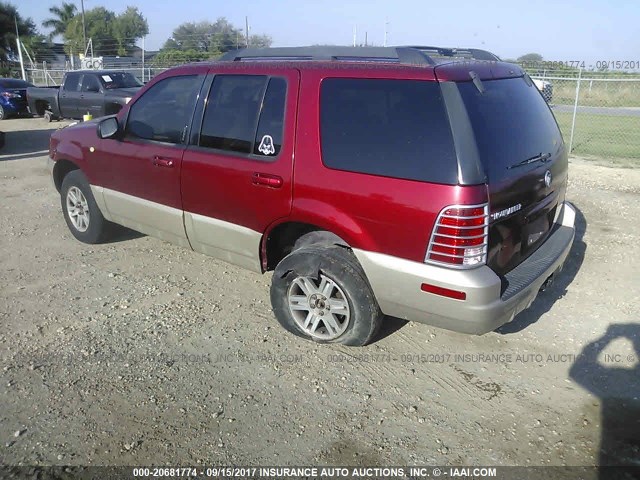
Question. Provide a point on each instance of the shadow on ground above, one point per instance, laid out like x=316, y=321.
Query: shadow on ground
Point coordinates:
x=615, y=379
x=123, y=234
x=25, y=144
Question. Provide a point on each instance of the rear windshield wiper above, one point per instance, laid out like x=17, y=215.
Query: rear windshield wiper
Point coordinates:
x=541, y=157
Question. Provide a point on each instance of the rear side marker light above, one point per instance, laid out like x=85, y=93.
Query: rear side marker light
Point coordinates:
x=460, y=237
x=445, y=292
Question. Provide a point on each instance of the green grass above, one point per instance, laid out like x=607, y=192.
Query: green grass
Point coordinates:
x=604, y=136
x=601, y=94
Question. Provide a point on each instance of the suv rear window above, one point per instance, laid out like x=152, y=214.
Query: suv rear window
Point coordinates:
x=511, y=122
x=393, y=128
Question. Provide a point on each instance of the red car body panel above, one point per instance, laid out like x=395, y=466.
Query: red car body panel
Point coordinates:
x=134, y=166
x=210, y=179
x=341, y=202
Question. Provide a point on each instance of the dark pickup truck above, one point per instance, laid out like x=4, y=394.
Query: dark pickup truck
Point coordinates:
x=97, y=92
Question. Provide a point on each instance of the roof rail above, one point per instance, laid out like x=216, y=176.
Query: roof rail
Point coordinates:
x=474, y=53
x=406, y=55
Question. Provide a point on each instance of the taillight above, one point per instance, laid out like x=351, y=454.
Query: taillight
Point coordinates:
x=460, y=237
x=11, y=95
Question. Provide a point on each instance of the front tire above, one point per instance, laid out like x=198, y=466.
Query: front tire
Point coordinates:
x=83, y=217
x=321, y=293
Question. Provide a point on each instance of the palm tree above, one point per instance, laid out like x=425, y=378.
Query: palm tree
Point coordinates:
x=64, y=14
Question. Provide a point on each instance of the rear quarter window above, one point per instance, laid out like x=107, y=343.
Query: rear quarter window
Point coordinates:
x=392, y=128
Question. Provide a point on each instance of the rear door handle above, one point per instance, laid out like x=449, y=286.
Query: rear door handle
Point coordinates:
x=163, y=162
x=267, y=180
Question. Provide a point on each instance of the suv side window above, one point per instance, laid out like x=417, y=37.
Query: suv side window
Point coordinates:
x=392, y=128
x=231, y=115
x=271, y=124
x=72, y=82
x=245, y=114
x=163, y=112
x=90, y=83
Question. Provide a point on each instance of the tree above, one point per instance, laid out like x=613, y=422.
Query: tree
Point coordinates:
x=62, y=16
x=128, y=28
x=214, y=38
x=8, y=17
x=261, y=41
x=193, y=36
x=170, y=57
x=110, y=34
x=38, y=47
x=99, y=25
x=530, y=58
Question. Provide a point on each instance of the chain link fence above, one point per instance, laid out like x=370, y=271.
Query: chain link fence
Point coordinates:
x=598, y=113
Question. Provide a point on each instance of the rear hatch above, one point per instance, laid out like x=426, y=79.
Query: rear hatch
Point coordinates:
x=525, y=162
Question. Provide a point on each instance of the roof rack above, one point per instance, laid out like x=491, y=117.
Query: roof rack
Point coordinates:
x=409, y=55
x=474, y=53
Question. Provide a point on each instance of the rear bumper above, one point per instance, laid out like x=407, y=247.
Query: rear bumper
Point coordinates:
x=490, y=301
x=15, y=108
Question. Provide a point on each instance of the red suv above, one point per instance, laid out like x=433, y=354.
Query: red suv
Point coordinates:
x=416, y=182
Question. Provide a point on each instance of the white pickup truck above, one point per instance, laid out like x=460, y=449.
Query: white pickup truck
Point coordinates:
x=545, y=87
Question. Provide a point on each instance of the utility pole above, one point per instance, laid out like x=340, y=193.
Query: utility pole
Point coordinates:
x=355, y=34
x=246, y=25
x=24, y=77
x=84, y=27
x=366, y=34
x=386, y=24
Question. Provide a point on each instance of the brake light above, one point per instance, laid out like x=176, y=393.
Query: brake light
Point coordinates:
x=460, y=237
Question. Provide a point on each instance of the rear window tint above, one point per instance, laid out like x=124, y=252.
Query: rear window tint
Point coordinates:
x=269, y=134
x=232, y=112
x=393, y=128
x=511, y=122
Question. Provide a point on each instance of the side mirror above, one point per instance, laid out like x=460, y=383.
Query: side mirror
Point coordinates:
x=108, y=128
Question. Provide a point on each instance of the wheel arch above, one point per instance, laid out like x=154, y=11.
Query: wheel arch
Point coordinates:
x=42, y=106
x=61, y=169
x=287, y=236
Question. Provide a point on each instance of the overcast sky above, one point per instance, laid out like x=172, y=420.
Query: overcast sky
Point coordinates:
x=588, y=30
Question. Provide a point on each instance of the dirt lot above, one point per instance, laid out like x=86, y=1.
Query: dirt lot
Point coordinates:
x=137, y=352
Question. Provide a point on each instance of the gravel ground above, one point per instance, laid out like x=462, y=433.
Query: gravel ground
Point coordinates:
x=138, y=352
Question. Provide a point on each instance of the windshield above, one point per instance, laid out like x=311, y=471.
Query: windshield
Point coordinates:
x=113, y=80
x=14, y=83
